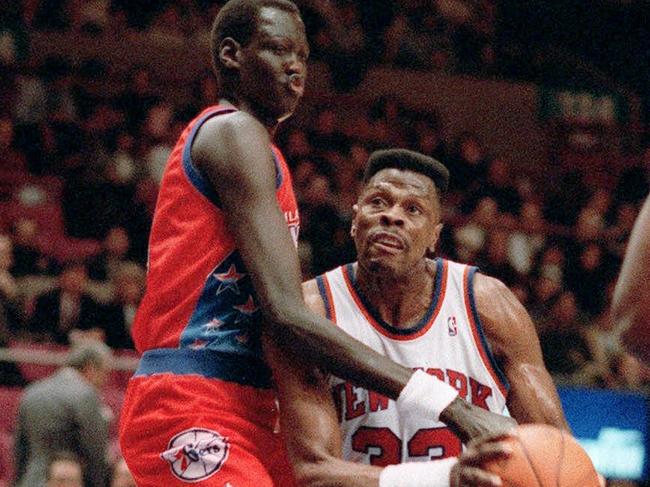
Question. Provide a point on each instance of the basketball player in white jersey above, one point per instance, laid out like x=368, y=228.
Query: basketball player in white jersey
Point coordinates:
x=439, y=316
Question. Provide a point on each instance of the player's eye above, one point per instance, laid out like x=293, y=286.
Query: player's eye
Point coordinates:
x=414, y=210
x=279, y=49
x=377, y=201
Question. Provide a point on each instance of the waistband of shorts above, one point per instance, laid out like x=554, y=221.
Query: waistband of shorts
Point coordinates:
x=212, y=364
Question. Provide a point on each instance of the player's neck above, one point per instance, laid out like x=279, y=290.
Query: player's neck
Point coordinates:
x=264, y=118
x=401, y=301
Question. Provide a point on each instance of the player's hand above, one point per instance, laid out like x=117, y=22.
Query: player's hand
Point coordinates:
x=468, y=472
x=469, y=422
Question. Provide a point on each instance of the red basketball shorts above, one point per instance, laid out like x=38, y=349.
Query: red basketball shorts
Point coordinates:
x=177, y=430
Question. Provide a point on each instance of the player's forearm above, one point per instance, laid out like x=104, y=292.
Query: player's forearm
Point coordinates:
x=337, y=352
x=336, y=473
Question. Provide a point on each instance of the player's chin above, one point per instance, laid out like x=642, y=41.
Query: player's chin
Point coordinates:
x=387, y=264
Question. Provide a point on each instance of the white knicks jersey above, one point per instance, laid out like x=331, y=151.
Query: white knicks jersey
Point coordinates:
x=447, y=343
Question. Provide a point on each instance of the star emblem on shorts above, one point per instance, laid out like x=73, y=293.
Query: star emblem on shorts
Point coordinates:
x=248, y=308
x=228, y=280
x=213, y=324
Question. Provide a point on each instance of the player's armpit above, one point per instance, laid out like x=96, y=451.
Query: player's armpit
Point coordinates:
x=514, y=343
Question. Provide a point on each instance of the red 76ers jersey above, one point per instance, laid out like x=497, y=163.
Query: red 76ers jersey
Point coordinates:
x=448, y=343
x=199, y=293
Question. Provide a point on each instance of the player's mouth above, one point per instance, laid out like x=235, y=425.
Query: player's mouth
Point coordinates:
x=388, y=240
x=296, y=84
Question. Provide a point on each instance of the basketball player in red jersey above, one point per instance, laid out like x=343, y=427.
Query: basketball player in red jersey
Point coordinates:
x=201, y=407
x=440, y=316
x=631, y=302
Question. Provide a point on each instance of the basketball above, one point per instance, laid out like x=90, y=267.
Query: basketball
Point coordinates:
x=544, y=456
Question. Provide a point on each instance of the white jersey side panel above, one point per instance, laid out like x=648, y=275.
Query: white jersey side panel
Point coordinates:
x=447, y=343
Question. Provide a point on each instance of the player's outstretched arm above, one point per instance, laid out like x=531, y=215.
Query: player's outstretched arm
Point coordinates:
x=233, y=152
x=312, y=434
x=513, y=339
x=631, y=302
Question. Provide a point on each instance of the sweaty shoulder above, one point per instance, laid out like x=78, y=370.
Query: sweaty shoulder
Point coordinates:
x=313, y=298
x=224, y=136
x=503, y=317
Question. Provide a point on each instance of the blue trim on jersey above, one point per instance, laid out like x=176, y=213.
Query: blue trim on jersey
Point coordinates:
x=479, y=328
x=194, y=175
x=278, y=171
x=211, y=364
x=323, y=294
x=437, y=287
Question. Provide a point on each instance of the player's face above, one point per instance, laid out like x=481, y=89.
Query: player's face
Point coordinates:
x=274, y=64
x=396, y=221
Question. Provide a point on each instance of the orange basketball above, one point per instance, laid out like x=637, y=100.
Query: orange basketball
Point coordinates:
x=544, y=456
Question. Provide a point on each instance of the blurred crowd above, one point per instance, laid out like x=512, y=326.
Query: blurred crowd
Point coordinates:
x=81, y=167
x=82, y=156
x=442, y=35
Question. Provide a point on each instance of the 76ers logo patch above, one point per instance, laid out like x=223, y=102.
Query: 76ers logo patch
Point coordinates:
x=196, y=454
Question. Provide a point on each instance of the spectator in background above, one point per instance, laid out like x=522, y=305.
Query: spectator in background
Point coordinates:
x=494, y=259
x=498, y=186
x=526, y=241
x=11, y=158
x=137, y=98
x=467, y=164
x=566, y=352
x=64, y=470
x=586, y=277
x=417, y=38
x=471, y=236
x=11, y=315
x=64, y=411
x=115, y=250
x=65, y=308
x=116, y=318
x=28, y=258
x=123, y=167
x=121, y=475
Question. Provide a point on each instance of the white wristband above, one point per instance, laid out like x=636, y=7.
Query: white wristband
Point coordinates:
x=425, y=396
x=418, y=474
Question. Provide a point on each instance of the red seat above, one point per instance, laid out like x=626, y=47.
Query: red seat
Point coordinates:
x=9, y=402
x=7, y=466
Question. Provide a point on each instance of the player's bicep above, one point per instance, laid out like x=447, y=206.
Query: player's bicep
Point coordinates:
x=307, y=412
x=512, y=336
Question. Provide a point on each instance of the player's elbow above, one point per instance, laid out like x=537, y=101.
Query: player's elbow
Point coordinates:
x=286, y=320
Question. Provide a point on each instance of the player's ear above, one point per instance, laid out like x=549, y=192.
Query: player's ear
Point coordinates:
x=229, y=53
x=435, y=235
x=353, y=228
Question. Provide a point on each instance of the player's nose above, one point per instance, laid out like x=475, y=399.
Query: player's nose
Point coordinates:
x=295, y=64
x=392, y=216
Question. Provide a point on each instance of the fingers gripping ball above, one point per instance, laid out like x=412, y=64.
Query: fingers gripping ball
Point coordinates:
x=544, y=456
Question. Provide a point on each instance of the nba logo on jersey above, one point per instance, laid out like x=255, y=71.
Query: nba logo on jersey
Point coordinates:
x=452, y=328
x=196, y=454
